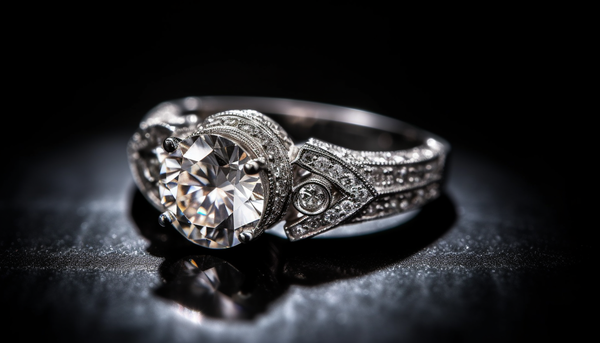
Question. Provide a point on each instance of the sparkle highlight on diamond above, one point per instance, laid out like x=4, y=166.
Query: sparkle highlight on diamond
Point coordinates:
x=203, y=183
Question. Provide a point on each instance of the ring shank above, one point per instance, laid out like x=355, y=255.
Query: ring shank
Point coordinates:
x=344, y=126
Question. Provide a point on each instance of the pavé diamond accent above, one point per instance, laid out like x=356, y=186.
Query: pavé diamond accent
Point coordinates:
x=350, y=192
x=204, y=184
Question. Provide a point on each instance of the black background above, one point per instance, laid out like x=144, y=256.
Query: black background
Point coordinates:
x=487, y=79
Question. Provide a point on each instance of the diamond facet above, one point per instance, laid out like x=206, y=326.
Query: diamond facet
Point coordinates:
x=203, y=183
x=312, y=198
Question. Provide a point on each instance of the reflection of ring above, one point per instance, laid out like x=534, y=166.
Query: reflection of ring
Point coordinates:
x=222, y=176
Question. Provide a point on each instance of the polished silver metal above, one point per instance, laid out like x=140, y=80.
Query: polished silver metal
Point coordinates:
x=318, y=183
x=165, y=218
x=372, y=167
x=246, y=236
x=170, y=144
x=256, y=165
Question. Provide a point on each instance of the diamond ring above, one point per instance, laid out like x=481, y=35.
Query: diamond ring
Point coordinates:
x=222, y=170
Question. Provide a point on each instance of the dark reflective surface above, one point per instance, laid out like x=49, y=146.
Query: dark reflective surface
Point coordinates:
x=238, y=283
x=216, y=288
x=85, y=257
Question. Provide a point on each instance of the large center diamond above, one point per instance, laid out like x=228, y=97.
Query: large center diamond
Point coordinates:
x=204, y=185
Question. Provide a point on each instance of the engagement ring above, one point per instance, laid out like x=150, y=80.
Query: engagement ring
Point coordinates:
x=222, y=170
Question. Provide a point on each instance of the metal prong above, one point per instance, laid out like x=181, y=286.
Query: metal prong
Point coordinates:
x=171, y=143
x=246, y=236
x=256, y=165
x=165, y=218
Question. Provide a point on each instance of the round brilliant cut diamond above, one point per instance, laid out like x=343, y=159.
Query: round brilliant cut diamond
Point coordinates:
x=312, y=198
x=203, y=183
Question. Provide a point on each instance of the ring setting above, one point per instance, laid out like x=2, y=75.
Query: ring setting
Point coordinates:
x=224, y=177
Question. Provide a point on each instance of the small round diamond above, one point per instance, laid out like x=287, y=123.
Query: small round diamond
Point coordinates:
x=335, y=171
x=311, y=198
x=322, y=163
x=329, y=217
x=248, y=128
x=360, y=193
x=347, y=205
x=298, y=231
x=312, y=224
x=347, y=180
x=307, y=158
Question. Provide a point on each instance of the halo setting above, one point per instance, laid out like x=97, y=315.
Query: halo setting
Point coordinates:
x=224, y=183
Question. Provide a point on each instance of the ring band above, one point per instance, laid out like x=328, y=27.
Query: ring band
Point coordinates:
x=224, y=169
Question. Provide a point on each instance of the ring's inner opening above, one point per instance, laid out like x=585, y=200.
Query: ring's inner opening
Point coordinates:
x=351, y=136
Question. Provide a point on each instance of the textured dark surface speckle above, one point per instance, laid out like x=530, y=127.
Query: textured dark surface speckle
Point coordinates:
x=87, y=263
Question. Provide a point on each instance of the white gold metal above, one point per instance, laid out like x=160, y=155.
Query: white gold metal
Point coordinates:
x=165, y=218
x=170, y=144
x=312, y=196
x=246, y=236
x=256, y=165
x=315, y=186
